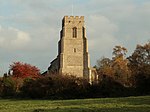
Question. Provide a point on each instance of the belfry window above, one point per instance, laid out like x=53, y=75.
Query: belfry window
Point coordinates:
x=74, y=32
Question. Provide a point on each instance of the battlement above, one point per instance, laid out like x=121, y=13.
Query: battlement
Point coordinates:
x=73, y=18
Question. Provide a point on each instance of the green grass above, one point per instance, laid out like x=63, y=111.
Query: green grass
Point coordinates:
x=130, y=104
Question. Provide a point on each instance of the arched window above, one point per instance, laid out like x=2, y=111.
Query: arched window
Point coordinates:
x=74, y=32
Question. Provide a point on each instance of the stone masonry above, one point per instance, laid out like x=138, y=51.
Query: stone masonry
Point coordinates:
x=73, y=57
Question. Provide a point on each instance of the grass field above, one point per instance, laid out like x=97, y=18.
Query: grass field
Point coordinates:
x=130, y=104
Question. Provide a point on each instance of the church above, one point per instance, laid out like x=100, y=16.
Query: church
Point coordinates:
x=73, y=57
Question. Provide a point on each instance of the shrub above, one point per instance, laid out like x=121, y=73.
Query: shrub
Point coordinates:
x=8, y=87
x=67, y=87
x=142, y=82
x=108, y=87
x=55, y=87
x=36, y=88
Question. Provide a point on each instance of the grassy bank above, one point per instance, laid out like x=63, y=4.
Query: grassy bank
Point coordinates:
x=130, y=104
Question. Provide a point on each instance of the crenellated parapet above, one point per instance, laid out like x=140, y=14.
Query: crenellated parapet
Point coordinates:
x=75, y=19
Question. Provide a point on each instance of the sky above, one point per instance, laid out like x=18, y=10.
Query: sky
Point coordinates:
x=29, y=29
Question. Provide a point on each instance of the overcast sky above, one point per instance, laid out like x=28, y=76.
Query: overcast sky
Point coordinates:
x=29, y=29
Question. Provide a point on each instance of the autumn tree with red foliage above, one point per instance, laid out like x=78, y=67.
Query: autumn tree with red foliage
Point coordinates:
x=24, y=70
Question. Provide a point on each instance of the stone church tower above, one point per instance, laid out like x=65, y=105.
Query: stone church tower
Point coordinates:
x=73, y=56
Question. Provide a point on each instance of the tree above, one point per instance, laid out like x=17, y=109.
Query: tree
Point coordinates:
x=23, y=70
x=120, y=65
x=119, y=52
x=104, y=67
x=117, y=68
x=140, y=59
x=140, y=68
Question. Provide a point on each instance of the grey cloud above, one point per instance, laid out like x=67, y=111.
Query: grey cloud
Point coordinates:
x=11, y=38
x=101, y=35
